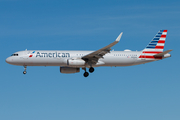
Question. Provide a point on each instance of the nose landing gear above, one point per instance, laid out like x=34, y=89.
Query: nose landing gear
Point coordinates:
x=24, y=72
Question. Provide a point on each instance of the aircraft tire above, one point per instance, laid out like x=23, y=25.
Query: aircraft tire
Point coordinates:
x=91, y=69
x=86, y=74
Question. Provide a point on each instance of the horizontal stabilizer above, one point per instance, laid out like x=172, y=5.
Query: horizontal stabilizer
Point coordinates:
x=162, y=54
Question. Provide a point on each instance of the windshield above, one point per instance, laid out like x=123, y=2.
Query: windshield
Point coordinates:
x=14, y=55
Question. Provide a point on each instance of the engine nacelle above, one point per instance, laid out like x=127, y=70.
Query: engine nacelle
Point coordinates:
x=75, y=62
x=69, y=70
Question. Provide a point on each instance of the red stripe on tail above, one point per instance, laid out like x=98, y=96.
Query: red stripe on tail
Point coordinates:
x=151, y=52
x=163, y=36
x=161, y=41
x=159, y=47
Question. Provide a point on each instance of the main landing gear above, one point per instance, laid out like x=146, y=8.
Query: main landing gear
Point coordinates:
x=91, y=69
x=24, y=72
x=86, y=74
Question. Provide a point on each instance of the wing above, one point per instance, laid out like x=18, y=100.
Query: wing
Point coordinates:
x=93, y=57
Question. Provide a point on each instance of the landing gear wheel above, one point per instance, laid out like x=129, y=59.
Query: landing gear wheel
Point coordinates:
x=91, y=69
x=24, y=72
x=86, y=74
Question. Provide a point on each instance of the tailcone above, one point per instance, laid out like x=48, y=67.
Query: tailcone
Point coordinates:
x=167, y=55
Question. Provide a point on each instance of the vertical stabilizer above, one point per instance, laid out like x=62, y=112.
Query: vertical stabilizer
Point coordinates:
x=156, y=45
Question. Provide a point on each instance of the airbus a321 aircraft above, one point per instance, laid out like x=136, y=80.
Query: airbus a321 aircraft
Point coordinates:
x=72, y=61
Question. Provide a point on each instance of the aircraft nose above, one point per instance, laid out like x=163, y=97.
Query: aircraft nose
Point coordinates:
x=8, y=60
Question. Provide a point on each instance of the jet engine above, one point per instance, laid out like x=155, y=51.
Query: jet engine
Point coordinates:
x=75, y=62
x=69, y=70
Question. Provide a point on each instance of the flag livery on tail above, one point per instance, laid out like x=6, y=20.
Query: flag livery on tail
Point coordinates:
x=156, y=46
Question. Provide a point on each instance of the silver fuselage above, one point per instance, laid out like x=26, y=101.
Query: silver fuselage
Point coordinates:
x=59, y=58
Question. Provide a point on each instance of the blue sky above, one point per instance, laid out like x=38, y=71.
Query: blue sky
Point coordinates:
x=143, y=92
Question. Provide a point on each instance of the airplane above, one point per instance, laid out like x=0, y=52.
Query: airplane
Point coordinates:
x=72, y=61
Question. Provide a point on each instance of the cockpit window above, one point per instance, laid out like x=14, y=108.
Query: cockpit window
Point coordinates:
x=14, y=55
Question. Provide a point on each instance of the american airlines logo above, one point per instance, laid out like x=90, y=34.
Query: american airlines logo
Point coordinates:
x=54, y=54
x=31, y=54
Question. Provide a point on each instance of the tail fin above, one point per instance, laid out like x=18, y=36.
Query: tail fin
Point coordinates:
x=156, y=45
